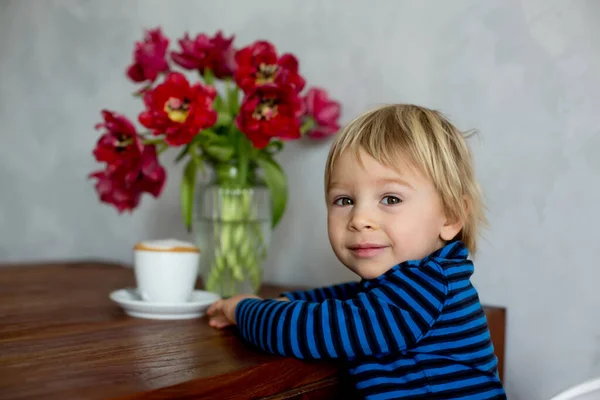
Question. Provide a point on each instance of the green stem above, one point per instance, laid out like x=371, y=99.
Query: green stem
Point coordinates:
x=307, y=125
x=239, y=243
x=161, y=147
x=244, y=148
x=153, y=141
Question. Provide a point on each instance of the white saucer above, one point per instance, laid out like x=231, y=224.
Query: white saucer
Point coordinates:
x=133, y=305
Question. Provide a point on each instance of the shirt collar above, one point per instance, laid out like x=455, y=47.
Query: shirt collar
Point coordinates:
x=452, y=253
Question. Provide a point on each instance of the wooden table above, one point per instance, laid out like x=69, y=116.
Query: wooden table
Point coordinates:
x=62, y=338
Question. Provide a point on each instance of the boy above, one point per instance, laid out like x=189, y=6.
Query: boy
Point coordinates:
x=403, y=210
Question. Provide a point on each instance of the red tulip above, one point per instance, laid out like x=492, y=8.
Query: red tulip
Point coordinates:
x=270, y=111
x=149, y=57
x=123, y=185
x=324, y=112
x=152, y=175
x=258, y=64
x=178, y=110
x=216, y=53
x=120, y=143
x=113, y=190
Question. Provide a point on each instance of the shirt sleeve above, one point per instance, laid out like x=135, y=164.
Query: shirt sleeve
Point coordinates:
x=342, y=291
x=388, y=318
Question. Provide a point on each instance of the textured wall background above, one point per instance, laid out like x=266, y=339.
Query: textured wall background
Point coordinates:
x=525, y=73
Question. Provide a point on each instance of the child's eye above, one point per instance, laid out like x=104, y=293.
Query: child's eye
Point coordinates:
x=391, y=200
x=343, y=201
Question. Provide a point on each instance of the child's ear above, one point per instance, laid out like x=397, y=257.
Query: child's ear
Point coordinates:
x=450, y=229
x=454, y=225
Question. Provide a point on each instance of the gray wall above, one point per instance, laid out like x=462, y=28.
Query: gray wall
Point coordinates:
x=525, y=73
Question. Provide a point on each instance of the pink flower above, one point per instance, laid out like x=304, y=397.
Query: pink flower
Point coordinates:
x=215, y=53
x=149, y=57
x=323, y=111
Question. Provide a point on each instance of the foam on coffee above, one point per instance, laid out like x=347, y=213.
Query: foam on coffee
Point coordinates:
x=168, y=245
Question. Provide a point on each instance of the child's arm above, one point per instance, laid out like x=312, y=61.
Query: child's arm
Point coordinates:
x=386, y=319
x=342, y=291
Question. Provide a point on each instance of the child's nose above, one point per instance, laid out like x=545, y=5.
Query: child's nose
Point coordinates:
x=361, y=219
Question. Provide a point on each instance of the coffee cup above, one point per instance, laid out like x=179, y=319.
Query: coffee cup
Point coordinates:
x=166, y=270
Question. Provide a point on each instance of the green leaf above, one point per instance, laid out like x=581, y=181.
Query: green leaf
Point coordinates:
x=219, y=105
x=224, y=119
x=219, y=152
x=188, y=186
x=209, y=136
x=182, y=153
x=274, y=146
x=277, y=184
x=233, y=99
x=209, y=77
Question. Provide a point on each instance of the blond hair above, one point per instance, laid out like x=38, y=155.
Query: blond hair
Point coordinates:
x=405, y=133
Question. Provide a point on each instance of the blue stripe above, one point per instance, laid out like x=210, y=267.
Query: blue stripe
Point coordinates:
x=462, y=295
x=447, y=249
x=380, y=338
x=294, y=331
x=461, y=313
x=459, y=328
x=259, y=326
x=456, y=344
x=343, y=329
x=423, y=292
x=459, y=285
x=301, y=295
x=402, y=362
x=398, y=336
x=476, y=354
x=489, y=366
x=411, y=324
x=280, y=348
x=447, y=370
x=251, y=310
x=383, y=380
x=411, y=302
x=312, y=346
x=258, y=308
x=461, y=383
x=329, y=293
x=270, y=325
x=457, y=270
x=360, y=330
x=327, y=331
x=240, y=311
x=321, y=294
x=432, y=281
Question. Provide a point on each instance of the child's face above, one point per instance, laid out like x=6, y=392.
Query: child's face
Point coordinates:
x=378, y=217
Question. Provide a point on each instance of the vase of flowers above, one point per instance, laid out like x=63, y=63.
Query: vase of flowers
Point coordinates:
x=228, y=123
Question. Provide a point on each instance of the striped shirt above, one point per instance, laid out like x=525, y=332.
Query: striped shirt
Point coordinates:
x=418, y=331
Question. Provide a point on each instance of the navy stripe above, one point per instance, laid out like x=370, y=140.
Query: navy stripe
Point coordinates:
x=341, y=291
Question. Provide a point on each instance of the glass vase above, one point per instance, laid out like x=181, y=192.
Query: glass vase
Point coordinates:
x=233, y=230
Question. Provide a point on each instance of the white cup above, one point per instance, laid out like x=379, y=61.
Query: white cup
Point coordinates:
x=166, y=270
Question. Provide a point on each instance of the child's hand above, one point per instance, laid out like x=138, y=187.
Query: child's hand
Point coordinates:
x=222, y=312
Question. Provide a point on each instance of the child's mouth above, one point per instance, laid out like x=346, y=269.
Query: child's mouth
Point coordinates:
x=367, y=250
